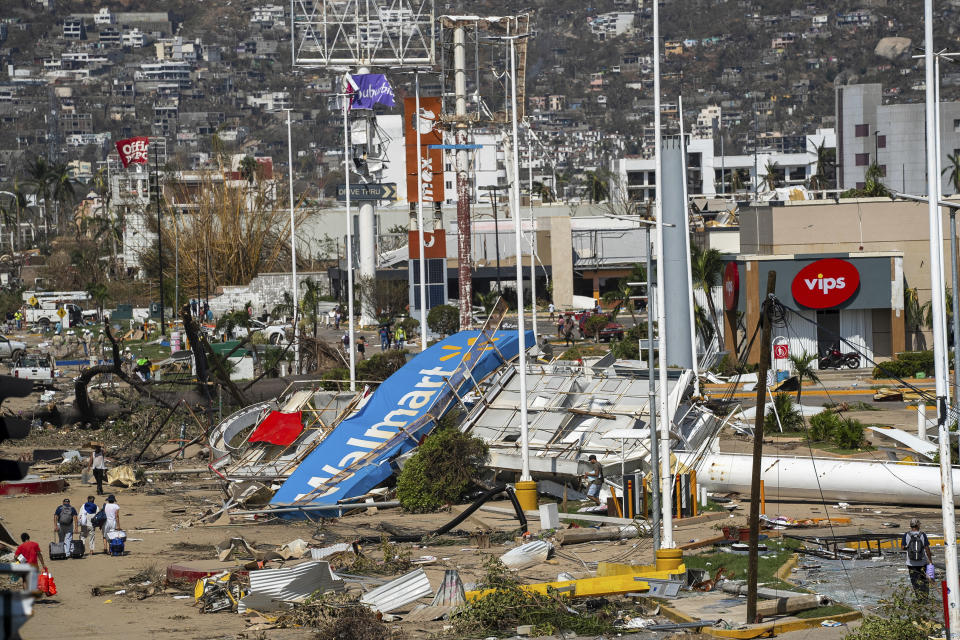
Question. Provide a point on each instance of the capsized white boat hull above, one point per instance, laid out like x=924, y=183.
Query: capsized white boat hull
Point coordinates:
x=831, y=479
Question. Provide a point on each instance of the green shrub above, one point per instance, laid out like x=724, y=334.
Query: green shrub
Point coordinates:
x=903, y=616
x=790, y=418
x=440, y=470
x=509, y=606
x=410, y=326
x=444, y=319
x=629, y=347
x=376, y=368
x=594, y=324
x=848, y=434
x=823, y=425
x=906, y=365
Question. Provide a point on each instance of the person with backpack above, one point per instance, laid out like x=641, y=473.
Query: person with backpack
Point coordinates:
x=88, y=530
x=65, y=524
x=917, y=546
x=400, y=337
x=596, y=479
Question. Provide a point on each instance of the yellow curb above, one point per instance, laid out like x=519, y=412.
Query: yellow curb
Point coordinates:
x=784, y=571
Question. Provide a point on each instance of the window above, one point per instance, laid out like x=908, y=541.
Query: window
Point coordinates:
x=883, y=170
x=956, y=125
x=881, y=142
x=861, y=185
x=861, y=130
x=863, y=159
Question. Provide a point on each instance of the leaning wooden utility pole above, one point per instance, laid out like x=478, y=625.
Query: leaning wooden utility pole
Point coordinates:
x=758, y=447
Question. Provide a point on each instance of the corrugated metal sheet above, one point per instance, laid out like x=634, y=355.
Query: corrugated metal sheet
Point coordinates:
x=395, y=594
x=291, y=583
x=320, y=554
x=526, y=555
x=451, y=591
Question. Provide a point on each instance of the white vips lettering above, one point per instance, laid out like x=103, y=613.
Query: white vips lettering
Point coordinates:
x=825, y=284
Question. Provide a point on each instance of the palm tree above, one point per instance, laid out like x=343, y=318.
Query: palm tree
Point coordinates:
x=826, y=159
x=61, y=188
x=770, y=179
x=706, y=266
x=248, y=169
x=310, y=303
x=803, y=365
x=38, y=177
x=597, y=186
x=621, y=295
x=284, y=308
x=874, y=188
x=98, y=291
x=954, y=170
x=736, y=180
x=916, y=317
x=703, y=324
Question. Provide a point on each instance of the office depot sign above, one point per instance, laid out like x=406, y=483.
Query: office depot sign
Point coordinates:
x=825, y=284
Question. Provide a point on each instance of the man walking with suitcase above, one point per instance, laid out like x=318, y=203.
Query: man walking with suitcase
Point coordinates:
x=65, y=524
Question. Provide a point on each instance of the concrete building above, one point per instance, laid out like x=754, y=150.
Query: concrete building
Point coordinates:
x=890, y=135
x=74, y=29
x=887, y=245
x=710, y=174
x=610, y=25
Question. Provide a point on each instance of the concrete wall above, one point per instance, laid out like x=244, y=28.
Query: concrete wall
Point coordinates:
x=561, y=252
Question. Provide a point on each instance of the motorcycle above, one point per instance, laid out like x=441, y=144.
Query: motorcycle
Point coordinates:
x=833, y=358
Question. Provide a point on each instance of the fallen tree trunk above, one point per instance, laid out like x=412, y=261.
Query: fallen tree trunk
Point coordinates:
x=88, y=411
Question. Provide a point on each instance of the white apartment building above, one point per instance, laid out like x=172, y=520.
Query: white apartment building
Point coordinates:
x=270, y=100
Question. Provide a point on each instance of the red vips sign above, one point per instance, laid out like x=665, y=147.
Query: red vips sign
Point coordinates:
x=731, y=286
x=133, y=150
x=434, y=244
x=426, y=160
x=825, y=284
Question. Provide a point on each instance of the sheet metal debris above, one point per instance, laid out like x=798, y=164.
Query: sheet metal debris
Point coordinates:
x=270, y=588
x=399, y=592
x=527, y=555
x=451, y=591
x=325, y=552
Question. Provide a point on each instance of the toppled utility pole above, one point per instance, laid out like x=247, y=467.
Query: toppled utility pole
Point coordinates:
x=754, y=521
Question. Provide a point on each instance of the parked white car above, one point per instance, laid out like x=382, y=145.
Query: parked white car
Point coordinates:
x=11, y=349
x=274, y=333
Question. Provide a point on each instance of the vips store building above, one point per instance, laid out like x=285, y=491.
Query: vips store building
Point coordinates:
x=830, y=298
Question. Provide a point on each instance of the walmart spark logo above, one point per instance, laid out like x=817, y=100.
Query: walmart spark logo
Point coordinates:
x=457, y=350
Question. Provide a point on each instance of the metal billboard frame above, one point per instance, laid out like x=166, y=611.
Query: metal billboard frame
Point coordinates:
x=363, y=32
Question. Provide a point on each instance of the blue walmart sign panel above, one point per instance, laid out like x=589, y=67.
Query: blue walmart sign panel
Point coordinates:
x=356, y=456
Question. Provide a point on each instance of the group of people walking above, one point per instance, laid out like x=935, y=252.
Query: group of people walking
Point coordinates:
x=68, y=522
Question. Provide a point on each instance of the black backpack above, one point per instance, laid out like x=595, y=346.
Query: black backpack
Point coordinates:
x=66, y=516
x=915, y=547
x=99, y=518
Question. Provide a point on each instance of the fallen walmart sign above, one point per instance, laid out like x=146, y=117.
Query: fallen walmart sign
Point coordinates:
x=356, y=456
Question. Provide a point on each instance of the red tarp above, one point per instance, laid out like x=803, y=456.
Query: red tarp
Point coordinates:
x=278, y=428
